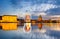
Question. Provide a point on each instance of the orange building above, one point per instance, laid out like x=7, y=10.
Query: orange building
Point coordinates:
x=9, y=18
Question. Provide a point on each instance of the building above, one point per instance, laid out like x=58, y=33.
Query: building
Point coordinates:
x=39, y=19
x=9, y=18
x=27, y=18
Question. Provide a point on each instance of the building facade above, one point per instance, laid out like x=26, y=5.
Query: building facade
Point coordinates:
x=9, y=18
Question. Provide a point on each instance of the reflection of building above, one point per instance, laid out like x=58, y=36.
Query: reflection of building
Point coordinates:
x=9, y=26
x=39, y=25
x=27, y=27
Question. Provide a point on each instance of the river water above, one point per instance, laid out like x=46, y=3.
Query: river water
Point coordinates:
x=48, y=31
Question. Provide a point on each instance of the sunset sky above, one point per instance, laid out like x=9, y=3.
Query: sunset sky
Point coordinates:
x=33, y=7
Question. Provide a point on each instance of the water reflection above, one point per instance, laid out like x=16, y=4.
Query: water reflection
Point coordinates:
x=39, y=25
x=27, y=27
x=47, y=28
x=8, y=26
x=52, y=26
x=14, y=26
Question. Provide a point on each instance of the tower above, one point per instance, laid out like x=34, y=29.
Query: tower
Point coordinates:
x=40, y=18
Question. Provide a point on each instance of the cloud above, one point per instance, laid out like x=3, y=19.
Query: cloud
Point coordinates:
x=39, y=13
x=55, y=16
x=45, y=7
x=35, y=9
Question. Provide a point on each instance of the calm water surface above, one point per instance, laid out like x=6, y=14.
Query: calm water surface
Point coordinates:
x=48, y=31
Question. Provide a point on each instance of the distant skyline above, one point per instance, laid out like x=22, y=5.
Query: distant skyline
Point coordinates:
x=33, y=7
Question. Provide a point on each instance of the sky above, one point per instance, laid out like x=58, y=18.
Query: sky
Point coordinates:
x=33, y=7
